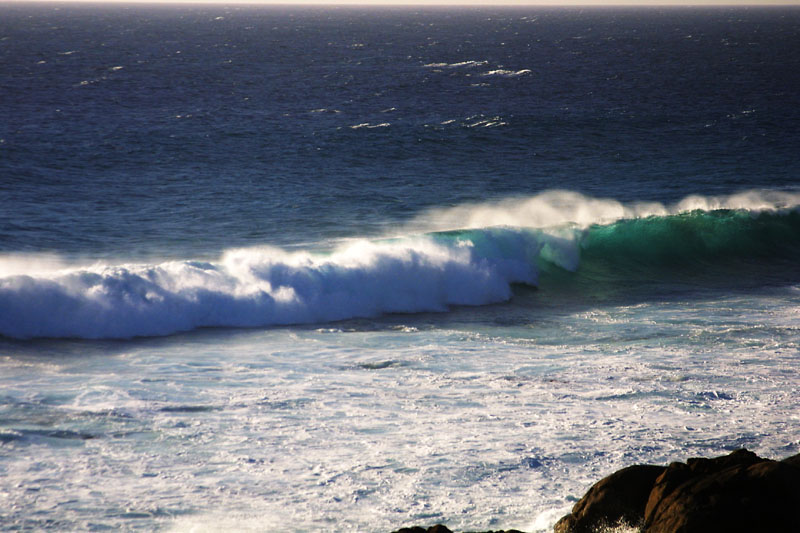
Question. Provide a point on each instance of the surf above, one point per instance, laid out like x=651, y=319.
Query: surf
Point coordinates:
x=581, y=241
x=265, y=287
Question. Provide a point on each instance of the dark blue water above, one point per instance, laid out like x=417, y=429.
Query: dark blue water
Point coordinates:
x=181, y=131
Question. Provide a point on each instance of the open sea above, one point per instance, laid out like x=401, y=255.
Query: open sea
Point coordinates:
x=351, y=269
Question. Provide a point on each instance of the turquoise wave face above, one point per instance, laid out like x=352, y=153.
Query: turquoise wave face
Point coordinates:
x=696, y=237
x=655, y=243
x=659, y=256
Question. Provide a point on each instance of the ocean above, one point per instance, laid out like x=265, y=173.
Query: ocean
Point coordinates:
x=353, y=269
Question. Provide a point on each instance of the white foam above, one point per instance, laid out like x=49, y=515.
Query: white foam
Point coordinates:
x=468, y=63
x=480, y=427
x=486, y=122
x=370, y=126
x=17, y=264
x=263, y=286
x=507, y=73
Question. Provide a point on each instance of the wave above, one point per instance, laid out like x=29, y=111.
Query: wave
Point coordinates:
x=369, y=126
x=429, y=272
x=558, y=207
x=507, y=73
x=266, y=286
x=469, y=63
x=695, y=237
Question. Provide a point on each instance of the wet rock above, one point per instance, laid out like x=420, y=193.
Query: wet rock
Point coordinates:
x=618, y=498
x=794, y=460
x=439, y=528
x=738, y=492
x=741, y=494
x=498, y=531
x=677, y=474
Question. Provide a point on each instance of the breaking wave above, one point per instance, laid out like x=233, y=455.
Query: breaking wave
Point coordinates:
x=507, y=73
x=493, y=248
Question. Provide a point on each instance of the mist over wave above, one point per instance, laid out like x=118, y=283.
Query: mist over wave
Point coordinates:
x=493, y=247
x=559, y=207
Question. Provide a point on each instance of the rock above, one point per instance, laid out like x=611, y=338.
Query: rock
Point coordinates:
x=741, y=497
x=618, y=498
x=677, y=474
x=439, y=528
x=498, y=531
x=738, y=492
x=794, y=460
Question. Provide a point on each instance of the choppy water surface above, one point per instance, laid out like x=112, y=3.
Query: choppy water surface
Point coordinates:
x=347, y=270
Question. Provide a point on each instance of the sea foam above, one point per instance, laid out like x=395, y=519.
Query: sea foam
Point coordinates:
x=266, y=286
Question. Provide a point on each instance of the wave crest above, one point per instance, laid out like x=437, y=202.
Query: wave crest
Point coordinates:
x=559, y=207
x=492, y=247
x=263, y=287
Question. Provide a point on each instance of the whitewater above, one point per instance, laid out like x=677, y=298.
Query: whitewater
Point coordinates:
x=430, y=271
x=323, y=269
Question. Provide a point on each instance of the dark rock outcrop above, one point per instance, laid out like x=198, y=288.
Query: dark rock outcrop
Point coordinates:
x=439, y=528
x=739, y=492
x=794, y=460
x=752, y=494
x=620, y=497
